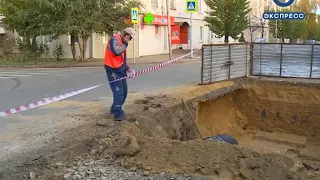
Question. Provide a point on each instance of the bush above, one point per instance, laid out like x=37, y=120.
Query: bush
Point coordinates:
x=58, y=52
x=31, y=51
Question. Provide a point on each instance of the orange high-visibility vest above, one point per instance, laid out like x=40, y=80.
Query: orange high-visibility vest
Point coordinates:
x=112, y=60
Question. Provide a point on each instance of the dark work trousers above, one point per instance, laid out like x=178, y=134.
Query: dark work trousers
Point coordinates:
x=119, y=89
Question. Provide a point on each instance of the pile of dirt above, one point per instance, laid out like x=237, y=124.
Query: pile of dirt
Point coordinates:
x=168, y=140
x=214, y=160
x=159, y=135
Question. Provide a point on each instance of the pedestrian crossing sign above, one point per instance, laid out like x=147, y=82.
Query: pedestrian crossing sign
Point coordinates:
x=191, y=5
x=134, y=15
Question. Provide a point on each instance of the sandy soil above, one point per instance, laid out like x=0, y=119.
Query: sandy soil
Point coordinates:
x=159, y=134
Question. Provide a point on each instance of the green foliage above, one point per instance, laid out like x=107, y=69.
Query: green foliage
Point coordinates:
x=316, y=33
x=288, y=29
x=242, y=39
x=79, y=18
x=34, y=50
x=31, y=18
x=58, y=52
x=227, y=18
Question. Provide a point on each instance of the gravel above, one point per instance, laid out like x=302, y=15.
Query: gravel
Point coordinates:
x=97, y=169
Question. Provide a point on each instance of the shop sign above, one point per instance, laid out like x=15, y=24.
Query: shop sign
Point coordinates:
x=151, y=19
x=175, y=34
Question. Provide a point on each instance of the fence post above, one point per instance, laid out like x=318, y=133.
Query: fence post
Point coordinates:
x=251, y=58
x=281, y=60
x=311, y=63
x=246, y=60
x=229, y=62
x=211, y=64
x=202, y=63
x=260, y=59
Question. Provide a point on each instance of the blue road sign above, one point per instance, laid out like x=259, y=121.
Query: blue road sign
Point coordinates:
x=134, y=15
x=192, y=6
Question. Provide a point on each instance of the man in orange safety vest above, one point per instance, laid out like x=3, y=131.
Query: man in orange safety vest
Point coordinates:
x=116, y=67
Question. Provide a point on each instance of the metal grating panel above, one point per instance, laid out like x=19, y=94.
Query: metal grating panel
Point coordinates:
x=316, y=62
x=296, y=60
x=266, y=59
x=239, y=58
x=221, y=62
x=286, y=60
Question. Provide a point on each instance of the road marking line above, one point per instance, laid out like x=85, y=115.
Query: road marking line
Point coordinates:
x=4, y=77
x=14, y=75
x=2, y=113
x=27, y=73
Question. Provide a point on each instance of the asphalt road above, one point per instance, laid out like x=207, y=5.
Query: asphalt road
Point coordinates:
x=23, y=86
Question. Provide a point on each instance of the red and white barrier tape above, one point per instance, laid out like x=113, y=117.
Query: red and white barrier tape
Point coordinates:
x=46, y=101
x=153, y=67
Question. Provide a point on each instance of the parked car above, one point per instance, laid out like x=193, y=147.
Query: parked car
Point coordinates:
x=260, y=40
x=310, y=41
x=269, y=47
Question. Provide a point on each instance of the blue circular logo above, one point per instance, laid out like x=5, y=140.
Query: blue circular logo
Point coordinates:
x=283, y=4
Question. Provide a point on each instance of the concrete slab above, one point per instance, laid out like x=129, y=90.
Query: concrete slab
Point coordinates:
x=311, y=152
x=282, y=138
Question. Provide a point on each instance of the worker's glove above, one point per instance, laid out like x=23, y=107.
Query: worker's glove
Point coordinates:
x=131, y=72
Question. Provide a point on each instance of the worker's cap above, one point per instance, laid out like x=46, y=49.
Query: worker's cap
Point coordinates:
x=130, y=31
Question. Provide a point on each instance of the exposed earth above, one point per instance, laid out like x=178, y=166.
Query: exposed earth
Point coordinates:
x=276, y=124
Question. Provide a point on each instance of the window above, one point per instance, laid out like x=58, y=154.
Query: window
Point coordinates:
x=201, y=33
x=69, y=39
x=104, y=38
x=199, y=6
x=211, y=36
x=154, y=3
x=46, y=39
x=172, y=4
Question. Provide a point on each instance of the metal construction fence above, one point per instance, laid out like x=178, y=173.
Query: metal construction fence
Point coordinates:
x=286, y=60
x=228, y=61
x=224, y=61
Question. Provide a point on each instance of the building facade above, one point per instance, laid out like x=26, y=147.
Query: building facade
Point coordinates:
x=258, y=27
x=152, y=39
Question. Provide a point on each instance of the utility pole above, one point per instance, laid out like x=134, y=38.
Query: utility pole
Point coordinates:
x=276, y=27
x=169, y=29
x=250, y=28
x=262, y=28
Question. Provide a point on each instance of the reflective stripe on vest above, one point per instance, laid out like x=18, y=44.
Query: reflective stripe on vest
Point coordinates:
x=112, y=60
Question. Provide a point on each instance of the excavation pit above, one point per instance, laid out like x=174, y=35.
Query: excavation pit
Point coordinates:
x=275, y=123
x=267, y=117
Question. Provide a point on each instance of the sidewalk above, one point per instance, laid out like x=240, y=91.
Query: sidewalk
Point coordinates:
x=153, y=59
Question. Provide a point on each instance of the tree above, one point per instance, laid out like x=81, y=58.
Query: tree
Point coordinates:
x=31, y=18
x=79, y=18
x=316, y=33
x=287, y=29
x=276, y=29
x=309, y=7
x=104, y=16
x=227, y=18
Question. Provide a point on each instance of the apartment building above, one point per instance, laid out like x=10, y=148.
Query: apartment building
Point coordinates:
x=258, y=26
x=153, y=38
